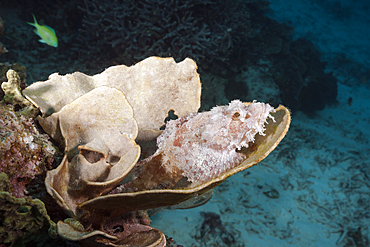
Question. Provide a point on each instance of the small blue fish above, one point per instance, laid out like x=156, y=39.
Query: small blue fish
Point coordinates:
x=46, y=33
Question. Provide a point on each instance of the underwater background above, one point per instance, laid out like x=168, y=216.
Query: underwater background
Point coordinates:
x=311, y=56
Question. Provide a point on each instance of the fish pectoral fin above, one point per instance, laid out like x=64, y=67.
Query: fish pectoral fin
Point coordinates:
x=42, y=41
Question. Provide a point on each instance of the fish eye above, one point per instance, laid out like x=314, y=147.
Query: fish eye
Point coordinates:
x=236, y=116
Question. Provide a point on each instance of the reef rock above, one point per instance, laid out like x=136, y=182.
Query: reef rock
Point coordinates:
x=24, y=151
x=21, y=218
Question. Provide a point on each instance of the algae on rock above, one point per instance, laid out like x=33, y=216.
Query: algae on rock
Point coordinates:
x=21, y=217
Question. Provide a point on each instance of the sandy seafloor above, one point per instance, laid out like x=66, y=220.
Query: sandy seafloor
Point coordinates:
x=321, y=169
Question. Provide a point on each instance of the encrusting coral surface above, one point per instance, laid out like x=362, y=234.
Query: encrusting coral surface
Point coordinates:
x=19, y=133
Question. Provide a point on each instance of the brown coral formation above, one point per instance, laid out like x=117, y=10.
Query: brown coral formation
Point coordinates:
x=124, y=230
x=98, y=124
x=100, y=118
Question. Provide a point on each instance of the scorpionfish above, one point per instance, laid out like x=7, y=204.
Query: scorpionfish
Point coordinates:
x=201, y=146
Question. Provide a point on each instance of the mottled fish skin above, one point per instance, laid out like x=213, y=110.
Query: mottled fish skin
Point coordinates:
x=204, y=145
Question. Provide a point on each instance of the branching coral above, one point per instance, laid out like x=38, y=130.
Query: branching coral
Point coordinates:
x=21, y=71
x=197, y=29
x=12, y=90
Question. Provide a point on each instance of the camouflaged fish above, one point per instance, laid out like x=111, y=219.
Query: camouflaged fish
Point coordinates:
x=203, y=145
x=200, y=147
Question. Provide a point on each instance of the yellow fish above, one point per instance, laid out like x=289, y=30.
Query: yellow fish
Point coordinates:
x=46, y=33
